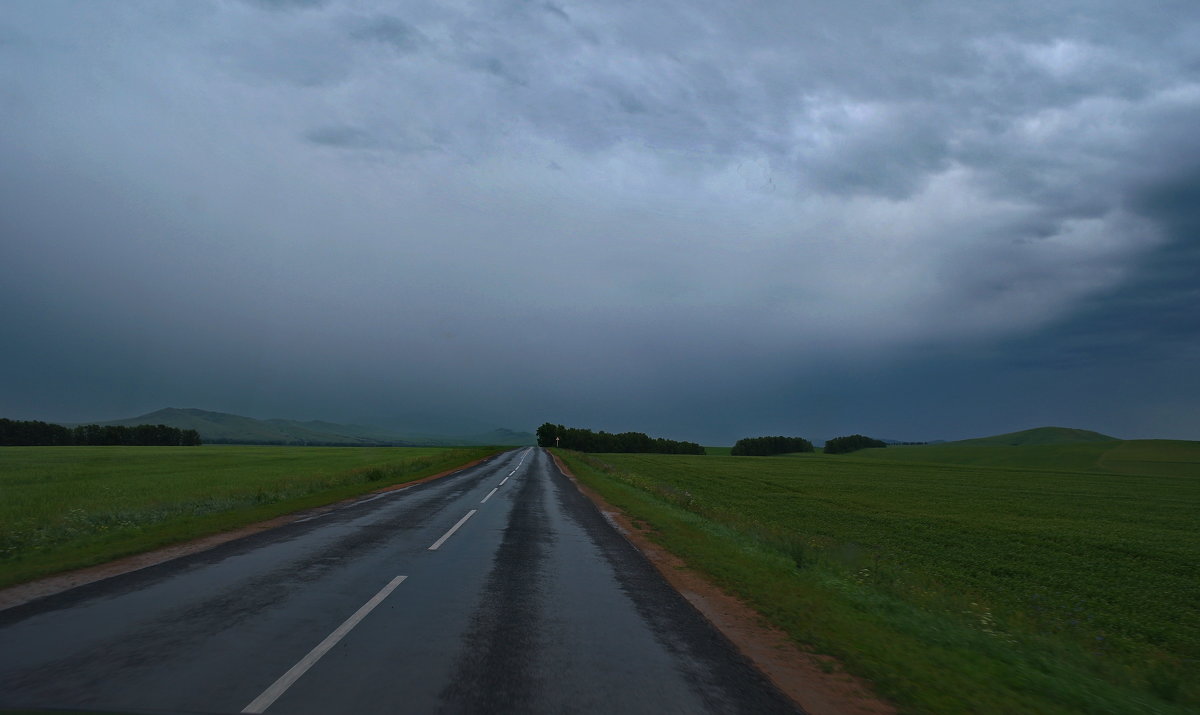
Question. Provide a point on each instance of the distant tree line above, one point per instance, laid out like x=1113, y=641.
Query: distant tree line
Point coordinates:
x=585, y=440
x=766, y=446
x=14, y=433
x=851, y=443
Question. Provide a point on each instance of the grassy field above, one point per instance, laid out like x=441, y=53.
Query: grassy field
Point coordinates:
x=1064, y=580
x=67, y=507
x=1143, y=457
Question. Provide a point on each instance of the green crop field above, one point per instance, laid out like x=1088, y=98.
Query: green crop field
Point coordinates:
x=66, y=507
x=1146, y=457
x=1067, y=579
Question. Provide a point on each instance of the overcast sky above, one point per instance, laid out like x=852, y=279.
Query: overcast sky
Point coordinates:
x=702, y=220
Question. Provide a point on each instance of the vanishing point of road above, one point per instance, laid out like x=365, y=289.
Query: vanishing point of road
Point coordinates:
x=497, y=589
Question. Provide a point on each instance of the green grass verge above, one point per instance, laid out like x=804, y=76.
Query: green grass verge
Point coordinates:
x=69, y=507
x=954, y=588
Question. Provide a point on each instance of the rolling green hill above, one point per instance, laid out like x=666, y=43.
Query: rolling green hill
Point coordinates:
x=224, y=428
x=1040, y=435
x=1055, y=449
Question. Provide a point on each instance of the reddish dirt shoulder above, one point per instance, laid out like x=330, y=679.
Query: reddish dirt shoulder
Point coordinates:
x=817, y=683
x=50, y=585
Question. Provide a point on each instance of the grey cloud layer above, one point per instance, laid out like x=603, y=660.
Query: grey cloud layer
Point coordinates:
x=630, y=199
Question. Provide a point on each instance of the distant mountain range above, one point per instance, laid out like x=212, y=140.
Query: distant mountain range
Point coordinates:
x=223, y=428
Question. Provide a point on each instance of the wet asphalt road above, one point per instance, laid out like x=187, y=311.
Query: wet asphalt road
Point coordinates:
x=534, y=604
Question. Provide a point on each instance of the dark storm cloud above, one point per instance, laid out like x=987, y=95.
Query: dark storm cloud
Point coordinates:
x=556, y=10
x=1156, y=313
x=288, y=4
x=303, y=57
x=697, y=219
x=342, y=136
x=390, y=31
x=8, y=36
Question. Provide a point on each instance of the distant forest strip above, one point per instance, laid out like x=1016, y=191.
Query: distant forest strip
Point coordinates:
x=851, y=443
x=766, y=446
x=19, y=433
x=585, y=440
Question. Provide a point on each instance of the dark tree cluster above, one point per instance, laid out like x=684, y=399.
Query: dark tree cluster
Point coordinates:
x=766, y=446
x=585, y=440
x=14, y=433
x=851, y=443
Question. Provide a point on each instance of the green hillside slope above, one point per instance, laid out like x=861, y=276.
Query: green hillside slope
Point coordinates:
x=213, y=426
x=1040, y=435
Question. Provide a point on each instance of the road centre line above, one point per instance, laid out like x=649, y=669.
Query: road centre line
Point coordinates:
x=502, y=481
x=523, y=456
x=279, y=687
x=453, y=529
x=489, y=496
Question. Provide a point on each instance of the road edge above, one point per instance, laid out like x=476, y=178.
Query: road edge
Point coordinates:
x=802, y=676
x=22, y=593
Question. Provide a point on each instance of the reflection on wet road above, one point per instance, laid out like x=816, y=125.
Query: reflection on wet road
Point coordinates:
x=497, y=589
